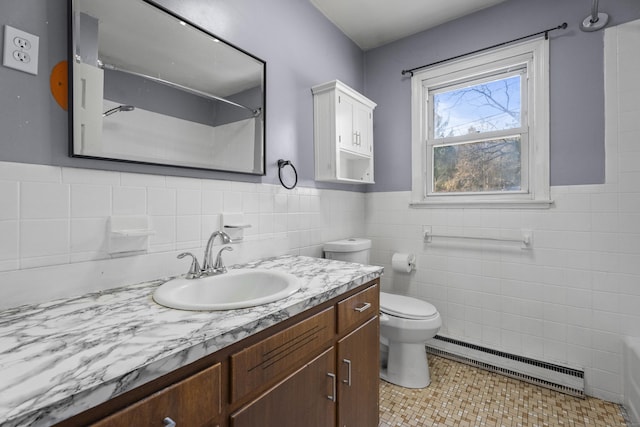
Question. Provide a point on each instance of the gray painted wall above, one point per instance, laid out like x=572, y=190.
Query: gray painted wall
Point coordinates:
x=576, y=74
x=301, y=48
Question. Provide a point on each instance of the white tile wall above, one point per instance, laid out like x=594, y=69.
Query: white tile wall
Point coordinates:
x=54, y=222
x=571, y=298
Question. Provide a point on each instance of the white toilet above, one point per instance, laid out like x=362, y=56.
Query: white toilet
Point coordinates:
x=405, y=323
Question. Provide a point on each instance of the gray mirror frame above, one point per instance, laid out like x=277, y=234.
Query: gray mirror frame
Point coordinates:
x=71, y=60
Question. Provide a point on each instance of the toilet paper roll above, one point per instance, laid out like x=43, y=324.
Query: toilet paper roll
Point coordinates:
x=403, y=262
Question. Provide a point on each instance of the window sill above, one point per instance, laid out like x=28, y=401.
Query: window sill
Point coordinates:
x=483, y=204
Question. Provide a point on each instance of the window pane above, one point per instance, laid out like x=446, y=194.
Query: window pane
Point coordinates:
x=490, y=106
x=478, y=166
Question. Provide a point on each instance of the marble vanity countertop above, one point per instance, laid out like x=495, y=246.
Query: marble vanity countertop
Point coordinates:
x=62, y=357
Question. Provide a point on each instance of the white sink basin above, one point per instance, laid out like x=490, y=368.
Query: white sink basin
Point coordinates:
x=238, y=288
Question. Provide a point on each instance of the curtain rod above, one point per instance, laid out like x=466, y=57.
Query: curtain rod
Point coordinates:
x=255, y=112
x=545, y=32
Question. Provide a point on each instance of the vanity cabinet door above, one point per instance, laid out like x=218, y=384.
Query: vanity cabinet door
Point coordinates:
x=263, y=364
x=304, y=399
x=194, y=402
x=358, y=372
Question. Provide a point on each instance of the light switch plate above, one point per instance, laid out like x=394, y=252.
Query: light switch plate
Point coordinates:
x=20, y=50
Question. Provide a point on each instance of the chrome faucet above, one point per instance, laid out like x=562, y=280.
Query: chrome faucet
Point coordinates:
x=208, y=266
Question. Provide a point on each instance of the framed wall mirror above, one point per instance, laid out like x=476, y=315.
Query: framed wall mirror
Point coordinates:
x=149, y=87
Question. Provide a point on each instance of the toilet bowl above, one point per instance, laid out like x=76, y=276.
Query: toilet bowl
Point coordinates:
x=406, y=324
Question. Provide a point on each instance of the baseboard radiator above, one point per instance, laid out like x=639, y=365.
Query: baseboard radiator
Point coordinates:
x=555, y=377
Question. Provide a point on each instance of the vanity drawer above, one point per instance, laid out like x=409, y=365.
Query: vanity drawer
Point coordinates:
x=195, y=401
x=358, y=308
x=256, y=366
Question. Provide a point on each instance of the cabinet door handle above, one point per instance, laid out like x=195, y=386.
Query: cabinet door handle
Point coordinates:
x=363, y=307
x=168, y=422
x=348, y=380
x=332, y=396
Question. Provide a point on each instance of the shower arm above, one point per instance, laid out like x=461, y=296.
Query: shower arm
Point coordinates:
x=596, y=21
x=594, y=11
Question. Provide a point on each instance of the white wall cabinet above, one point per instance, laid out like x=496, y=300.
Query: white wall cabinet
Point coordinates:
x=343, y=134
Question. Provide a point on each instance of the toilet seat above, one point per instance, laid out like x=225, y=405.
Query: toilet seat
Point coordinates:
x=406, y=307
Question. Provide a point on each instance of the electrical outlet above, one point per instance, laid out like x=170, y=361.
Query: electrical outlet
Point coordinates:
x=21, y=43
x=20, y=50
x=20, y=56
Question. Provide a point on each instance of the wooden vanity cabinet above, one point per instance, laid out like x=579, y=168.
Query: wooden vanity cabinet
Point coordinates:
x=317, y=368
x=337, y=388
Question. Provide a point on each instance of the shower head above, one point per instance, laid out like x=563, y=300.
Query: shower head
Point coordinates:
x=596, y=20
x=118, y=109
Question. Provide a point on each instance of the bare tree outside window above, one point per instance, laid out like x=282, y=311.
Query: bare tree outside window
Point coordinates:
x=478, y=164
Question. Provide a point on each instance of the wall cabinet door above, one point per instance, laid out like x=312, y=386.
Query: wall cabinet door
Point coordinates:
x=354, y=125
x=305, y=398
x=358, y=377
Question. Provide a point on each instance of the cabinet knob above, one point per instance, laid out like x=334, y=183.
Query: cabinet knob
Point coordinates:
x=168, y=422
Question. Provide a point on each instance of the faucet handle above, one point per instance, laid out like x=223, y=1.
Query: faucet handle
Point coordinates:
x=218, y=265
x=194, y=271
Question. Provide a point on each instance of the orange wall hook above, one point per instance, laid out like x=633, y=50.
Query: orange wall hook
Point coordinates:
x=59, y=82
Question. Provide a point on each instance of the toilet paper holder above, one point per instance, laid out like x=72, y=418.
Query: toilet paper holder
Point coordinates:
x=403, y=262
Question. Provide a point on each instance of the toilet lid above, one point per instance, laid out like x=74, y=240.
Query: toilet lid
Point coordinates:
x=406, y=307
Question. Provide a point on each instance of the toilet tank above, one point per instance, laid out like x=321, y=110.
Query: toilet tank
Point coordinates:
x=351, y=250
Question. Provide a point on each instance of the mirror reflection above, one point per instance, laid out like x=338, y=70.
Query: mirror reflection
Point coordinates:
x=149, y=87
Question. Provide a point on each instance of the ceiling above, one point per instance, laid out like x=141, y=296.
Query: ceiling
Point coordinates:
x=373, y=23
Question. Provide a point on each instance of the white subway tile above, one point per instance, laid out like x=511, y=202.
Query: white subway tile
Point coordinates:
x=8, y=240
x=210, y=223
x=42, y=200
x=250, y=202
x=142, y=180
x=165, y=230
x=44, y=261
x=9, y=191
x=280, y=203
x=10, y=265
x=212, y=202
x=267, y=202
x=90, y=201
x=129, y=201
x=189, y=202
x=90, y=177
x=161, y=201
x=41, y=238
x=24, y=172
x=183, y=182
x=89, y=235
x=188, y=228
x=232, y=201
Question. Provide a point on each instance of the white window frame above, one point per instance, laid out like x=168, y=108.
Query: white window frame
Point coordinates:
x=535, y=126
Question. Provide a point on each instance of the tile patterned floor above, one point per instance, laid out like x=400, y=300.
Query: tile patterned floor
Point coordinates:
x=464, y=396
